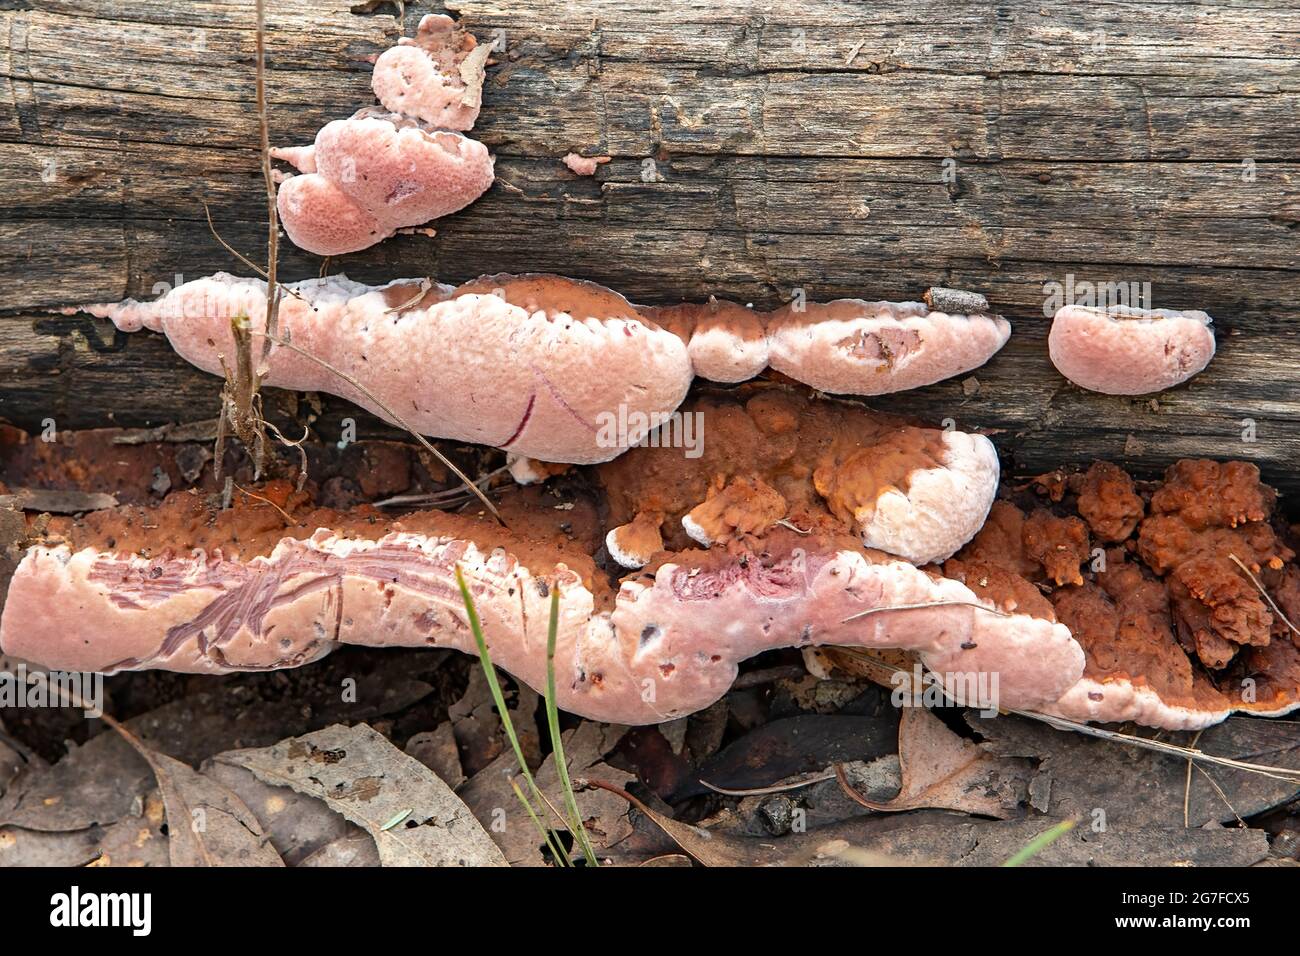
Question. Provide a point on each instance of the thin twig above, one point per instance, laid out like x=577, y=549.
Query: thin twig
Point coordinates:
x=272, y=214
x=286, y=289
x=212, y=228
x=917, y=607
x=1271, y=603
x=424, y=287
x=1222, y=796
x=1061, y=723
x=284, y=514
x=1187, y=787
x=435, y=497
x=1287, y=774
x=302, y=452
x=774, y=788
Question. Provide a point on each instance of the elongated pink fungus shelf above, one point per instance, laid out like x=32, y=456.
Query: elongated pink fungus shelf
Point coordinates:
x=1126, y=351
x=187, y=586
x=548, y=368
x=398, y=165
x=1189, y=618
x=525, y=363
x=844, y=347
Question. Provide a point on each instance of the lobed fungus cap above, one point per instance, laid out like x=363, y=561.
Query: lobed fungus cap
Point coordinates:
x=370, y=176
x=436, y=78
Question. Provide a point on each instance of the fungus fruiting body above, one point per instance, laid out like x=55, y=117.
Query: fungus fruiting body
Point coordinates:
x=368, y=176
x=239, y=589
x=851, y=347
x=1183, y=616
x=528, y=364
x=583, y=165
x=844, y=347
x=399, y=165
x=1174, y=609
x=1127, y=351
x=548, y=368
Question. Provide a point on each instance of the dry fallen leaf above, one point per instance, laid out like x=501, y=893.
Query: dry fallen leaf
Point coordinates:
x=932, y=837
x=716, y=849
x=207, y=825
x=100, y=781
x=945, y=771
x=478, y=730
x=1078, y=775
x=298, y=826
x=132, y=841
x=437, y=750
x=413, y=816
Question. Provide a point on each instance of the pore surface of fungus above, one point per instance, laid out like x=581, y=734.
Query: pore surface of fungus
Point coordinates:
x=1177, y=617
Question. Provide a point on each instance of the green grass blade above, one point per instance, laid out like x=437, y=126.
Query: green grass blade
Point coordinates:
x=557, y=744
x=498, y=698
x=547, y=833
x=1040, y=843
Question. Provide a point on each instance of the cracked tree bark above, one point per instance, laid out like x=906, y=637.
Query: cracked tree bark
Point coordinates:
x=825, y=145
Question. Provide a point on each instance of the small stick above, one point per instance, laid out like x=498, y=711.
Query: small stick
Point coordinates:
x=272, y=214
x=1267, y=597
x=917, y=607
x=289, y=522
x=956, y=301
x=244, y=259
x=774, y=788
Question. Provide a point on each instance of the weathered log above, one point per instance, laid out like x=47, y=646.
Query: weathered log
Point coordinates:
x=823, y=145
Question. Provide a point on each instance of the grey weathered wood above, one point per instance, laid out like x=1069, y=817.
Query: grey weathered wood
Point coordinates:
x=798, y=144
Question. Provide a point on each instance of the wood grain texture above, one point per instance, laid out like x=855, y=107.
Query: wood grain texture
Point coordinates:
x=758, y=148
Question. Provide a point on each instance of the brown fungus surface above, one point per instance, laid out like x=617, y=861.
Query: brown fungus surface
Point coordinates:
x=1181, y=603
x=1109, y=502
x=826, y=462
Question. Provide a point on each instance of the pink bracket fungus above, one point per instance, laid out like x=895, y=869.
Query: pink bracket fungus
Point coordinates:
x=727, y=342
x=851, y=347
x=583, y=165
x=398, y=166
x=1189, y=617
x=560, y=370
x=435, y=78
x=1127, y=351
x=530, y=364
x=634, y=544
x=1158, y=634
x=843, y=347
x=275, y=582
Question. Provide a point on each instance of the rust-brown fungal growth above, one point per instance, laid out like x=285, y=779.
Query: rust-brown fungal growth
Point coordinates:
x=1188, y=615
